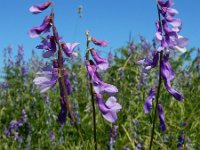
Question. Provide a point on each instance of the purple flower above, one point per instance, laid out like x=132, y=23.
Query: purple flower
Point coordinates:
x=161, y=117
x=149, y=101
x=101, y=63
x=44, y=27
x=68, y=48
x=113, y=136
x=62, y=116
x=139, y=146
x=36, y=9
x=148, y=63
x=99, y=42
x=109, y=109
x=168, y=75
x=169, y=37
x=46, y=79
x=100, y=87
x=48, y=44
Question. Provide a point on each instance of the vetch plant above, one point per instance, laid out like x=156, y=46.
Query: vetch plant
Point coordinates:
x=50, y=75
x=168, y=39
x=109, y=109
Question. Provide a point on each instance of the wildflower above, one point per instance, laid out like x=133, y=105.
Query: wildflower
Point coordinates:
x=48, y=44
x=161, y=117
x=101, y=63
x=36, y=9
x=113, y=136
x=99, y=42
x=109, y=109
x=44, y=27
x=149, y=100
x=168, y=75
x=68, y=48
x=46, y=79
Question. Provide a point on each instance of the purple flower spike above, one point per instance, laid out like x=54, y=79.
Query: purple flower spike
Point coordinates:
x=161, y=117
x=46, y=80
x=36, y=9
x=101, y=63
x=168, y=75
x=68, y=48
x=44, y=27
x=148, y=103
x=109, y=109
x=99, y=42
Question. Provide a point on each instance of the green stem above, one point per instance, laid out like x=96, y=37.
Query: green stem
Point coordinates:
x=92, y=95
x=157, y=98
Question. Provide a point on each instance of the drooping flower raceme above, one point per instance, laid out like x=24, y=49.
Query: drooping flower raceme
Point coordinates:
x=110, y=108
x=167, y=35
x=48, y=77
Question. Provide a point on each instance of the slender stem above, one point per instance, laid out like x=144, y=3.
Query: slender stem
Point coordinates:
x=158, y=88
x=61, y=74
x=157, y=98
x=92, y=97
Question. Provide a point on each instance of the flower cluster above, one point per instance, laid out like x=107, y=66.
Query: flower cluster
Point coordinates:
x=113, y=136
x=48, y=77
x=15, y=125
x=111, y=107
x=168, y=28
x=169, y=37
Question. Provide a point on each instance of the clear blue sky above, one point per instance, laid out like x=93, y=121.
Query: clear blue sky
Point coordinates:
x=111, y=20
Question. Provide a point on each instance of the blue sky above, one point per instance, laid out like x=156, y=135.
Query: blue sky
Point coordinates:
x=111, y=20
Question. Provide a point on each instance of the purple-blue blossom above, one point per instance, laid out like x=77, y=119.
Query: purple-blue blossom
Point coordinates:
x=109, y=109
x=149, y=100
x=36, y=9
x=43, y=28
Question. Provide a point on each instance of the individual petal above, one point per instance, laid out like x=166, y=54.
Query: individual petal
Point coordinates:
x=101, y=63
x=109, y=109
x=99, y=42
x=44, y=27
x=68, y=48
x=161, y=117
x=35, y=9
x=149, y=100
x=168, y=75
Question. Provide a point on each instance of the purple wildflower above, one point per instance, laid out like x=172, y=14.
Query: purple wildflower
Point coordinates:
x=63, y=112
x=161, y=117
x=44, y=27
x=68, y=48
x=99, y=86
x=46, y=79
x=169, y=37
x=36, y=9
x=52, y=137
x=113, y=136
x=168, y=75
x=109, y=109
x=48, y=44
x=149, y=101
x=99, y=42
x=101, y=63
